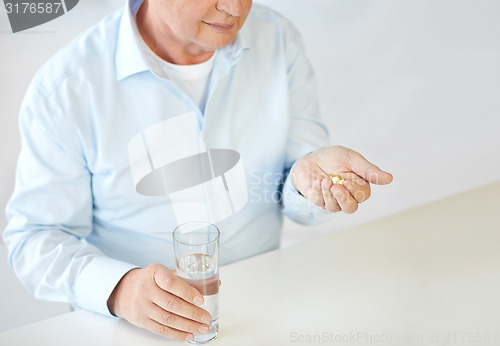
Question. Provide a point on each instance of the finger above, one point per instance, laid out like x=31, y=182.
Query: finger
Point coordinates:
x=366, y=170
x=177, y=322
x=358, y=188
x=169, y=282
x=165, y=331
x=314, y=193
x=345, y=200
x=173, y=304
x=331, y=203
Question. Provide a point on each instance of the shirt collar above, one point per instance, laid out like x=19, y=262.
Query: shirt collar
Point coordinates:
x=130, y=60
x=128, y=57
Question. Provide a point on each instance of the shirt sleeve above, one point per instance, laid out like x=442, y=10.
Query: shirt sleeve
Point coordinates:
x=306, y=131
x=50, y=212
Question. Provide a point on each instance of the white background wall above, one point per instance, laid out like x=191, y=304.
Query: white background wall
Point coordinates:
x=412, y=85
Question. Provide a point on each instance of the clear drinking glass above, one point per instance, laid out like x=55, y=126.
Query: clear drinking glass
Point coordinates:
x=196, y=246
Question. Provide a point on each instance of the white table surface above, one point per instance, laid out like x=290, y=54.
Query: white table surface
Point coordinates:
x=427, y=276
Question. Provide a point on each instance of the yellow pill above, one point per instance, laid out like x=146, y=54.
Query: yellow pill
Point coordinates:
x=336, y=179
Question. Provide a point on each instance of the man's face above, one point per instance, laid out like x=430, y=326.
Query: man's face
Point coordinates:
x=208, y=24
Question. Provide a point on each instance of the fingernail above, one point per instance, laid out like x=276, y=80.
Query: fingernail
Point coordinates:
x=189, y=337
x=198, y=300
x=205, y=319
x=203, y=329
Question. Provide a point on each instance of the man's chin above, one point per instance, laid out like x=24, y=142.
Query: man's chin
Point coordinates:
x=220, y=42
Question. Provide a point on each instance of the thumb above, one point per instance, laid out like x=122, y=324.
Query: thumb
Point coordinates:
x=367, y=170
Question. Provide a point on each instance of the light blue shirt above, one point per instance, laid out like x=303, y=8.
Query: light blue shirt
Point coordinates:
x=76, y=222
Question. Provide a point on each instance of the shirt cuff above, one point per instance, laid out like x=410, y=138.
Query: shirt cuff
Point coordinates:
x=97, y=281
x=300, y=209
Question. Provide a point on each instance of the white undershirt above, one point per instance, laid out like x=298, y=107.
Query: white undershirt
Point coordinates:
x=191, y=79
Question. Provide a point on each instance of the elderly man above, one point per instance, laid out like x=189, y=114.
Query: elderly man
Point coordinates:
x=79, y=229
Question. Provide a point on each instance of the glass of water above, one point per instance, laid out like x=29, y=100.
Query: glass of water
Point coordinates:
x=196, y=246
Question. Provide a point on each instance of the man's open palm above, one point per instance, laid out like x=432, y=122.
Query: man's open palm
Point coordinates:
x=309, y=176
